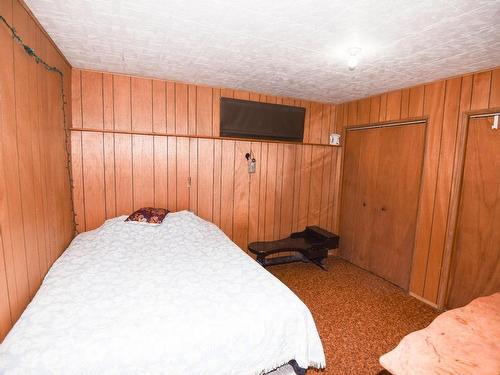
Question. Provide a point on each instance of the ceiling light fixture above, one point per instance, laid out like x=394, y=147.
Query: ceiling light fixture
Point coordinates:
x=353, y=60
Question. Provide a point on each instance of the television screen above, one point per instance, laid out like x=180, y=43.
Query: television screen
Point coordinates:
x=248, y=119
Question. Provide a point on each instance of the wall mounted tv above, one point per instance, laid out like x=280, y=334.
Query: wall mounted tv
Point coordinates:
x=248, y=119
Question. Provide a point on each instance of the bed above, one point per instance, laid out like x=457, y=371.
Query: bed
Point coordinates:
x=174, y=298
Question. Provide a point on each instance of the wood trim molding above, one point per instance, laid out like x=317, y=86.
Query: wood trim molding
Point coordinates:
x=410, y=121
x=112, y=131
x=426, y=301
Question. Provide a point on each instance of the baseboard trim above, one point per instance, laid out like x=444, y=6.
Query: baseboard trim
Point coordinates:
x=422, y=299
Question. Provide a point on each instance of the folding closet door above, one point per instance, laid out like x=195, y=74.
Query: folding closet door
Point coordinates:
x=475, y=267
x=396, y=199
x=380, y=193
x=361, y=161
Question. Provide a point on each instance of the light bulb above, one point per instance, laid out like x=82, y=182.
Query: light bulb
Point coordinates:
x=352, y=63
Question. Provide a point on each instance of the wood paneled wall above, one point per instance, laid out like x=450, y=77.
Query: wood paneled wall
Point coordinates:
x=443, y=103
x=36, y=218
x=139, y=142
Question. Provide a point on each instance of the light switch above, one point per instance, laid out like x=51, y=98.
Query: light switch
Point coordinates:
x=335, y=139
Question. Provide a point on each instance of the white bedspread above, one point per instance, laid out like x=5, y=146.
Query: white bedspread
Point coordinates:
x=176, y=298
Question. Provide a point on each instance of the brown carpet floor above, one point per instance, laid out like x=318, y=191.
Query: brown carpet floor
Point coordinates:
x=359, y=316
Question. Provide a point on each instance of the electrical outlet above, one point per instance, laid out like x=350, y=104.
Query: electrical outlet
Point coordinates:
x=252, y=165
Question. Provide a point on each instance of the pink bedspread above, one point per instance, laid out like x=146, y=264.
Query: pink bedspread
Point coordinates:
x=460, y=341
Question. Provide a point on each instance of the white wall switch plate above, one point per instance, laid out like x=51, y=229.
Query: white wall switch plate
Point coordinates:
x=335, y=139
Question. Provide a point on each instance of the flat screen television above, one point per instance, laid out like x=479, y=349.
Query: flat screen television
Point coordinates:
x=248, y=119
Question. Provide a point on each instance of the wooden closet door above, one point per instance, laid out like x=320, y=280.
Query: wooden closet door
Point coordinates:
x=380, y=192
x=360, y=163
x=395, y=198
x=475, y=268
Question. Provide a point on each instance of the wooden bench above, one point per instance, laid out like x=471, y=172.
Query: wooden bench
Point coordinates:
x=310, y=245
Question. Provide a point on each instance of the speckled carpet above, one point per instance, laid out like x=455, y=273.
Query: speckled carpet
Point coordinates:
x=359, y=316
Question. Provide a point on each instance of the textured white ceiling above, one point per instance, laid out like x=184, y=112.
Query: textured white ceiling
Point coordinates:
x=289, y=48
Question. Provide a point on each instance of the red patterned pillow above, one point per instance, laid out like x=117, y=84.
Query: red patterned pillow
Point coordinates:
x=149, y=215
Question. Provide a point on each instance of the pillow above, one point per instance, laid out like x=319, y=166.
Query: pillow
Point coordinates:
x=148, y=215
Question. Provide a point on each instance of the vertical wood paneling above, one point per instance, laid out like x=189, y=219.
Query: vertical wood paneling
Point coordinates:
x=315, y=185
x=170, y=107
x=12, y=226
x=77, y=172
x=216, y=112
x=326, y=188
x=481, y=90
x=172, y=174
x=443, y=103
x=181, y=108
x=241, y=195
x=304, y=186
x=142, y=171
x=93, y=179
x=254, y=202
x=204, y=103
x=262, y=191
x=352, y=113
x=123, y=174
x=334, y=199
x=495, y=89
x=205, y=178
x=278, y=191
x=443, y=187
x=193, y=175
x=217, y=181
x=35, y=202
x=161, y=171
x=5, y=315
x=325, y=124
x=287, y=190
x=92, y=104
x=142, y=110
x=192, y=96
x=122, y=106
x=26, y=109
x=159, y=107
x=107, y=101
x=41, y=172
x=307, y=120
x=227, y=187
x=297, y=177
x=394, y=105
x=416, y=105
x=76, y=99
x=374, y=109
x=405, y=103
x=272, y=160
x=383, y=108
x=182, y=167
x=433, y=104
x=109, y=175
x=364, y=111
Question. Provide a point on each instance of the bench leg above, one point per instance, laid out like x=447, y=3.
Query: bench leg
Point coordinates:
x=319, y=263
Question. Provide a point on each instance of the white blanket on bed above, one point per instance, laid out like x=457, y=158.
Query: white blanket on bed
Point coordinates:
x=176, y=298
